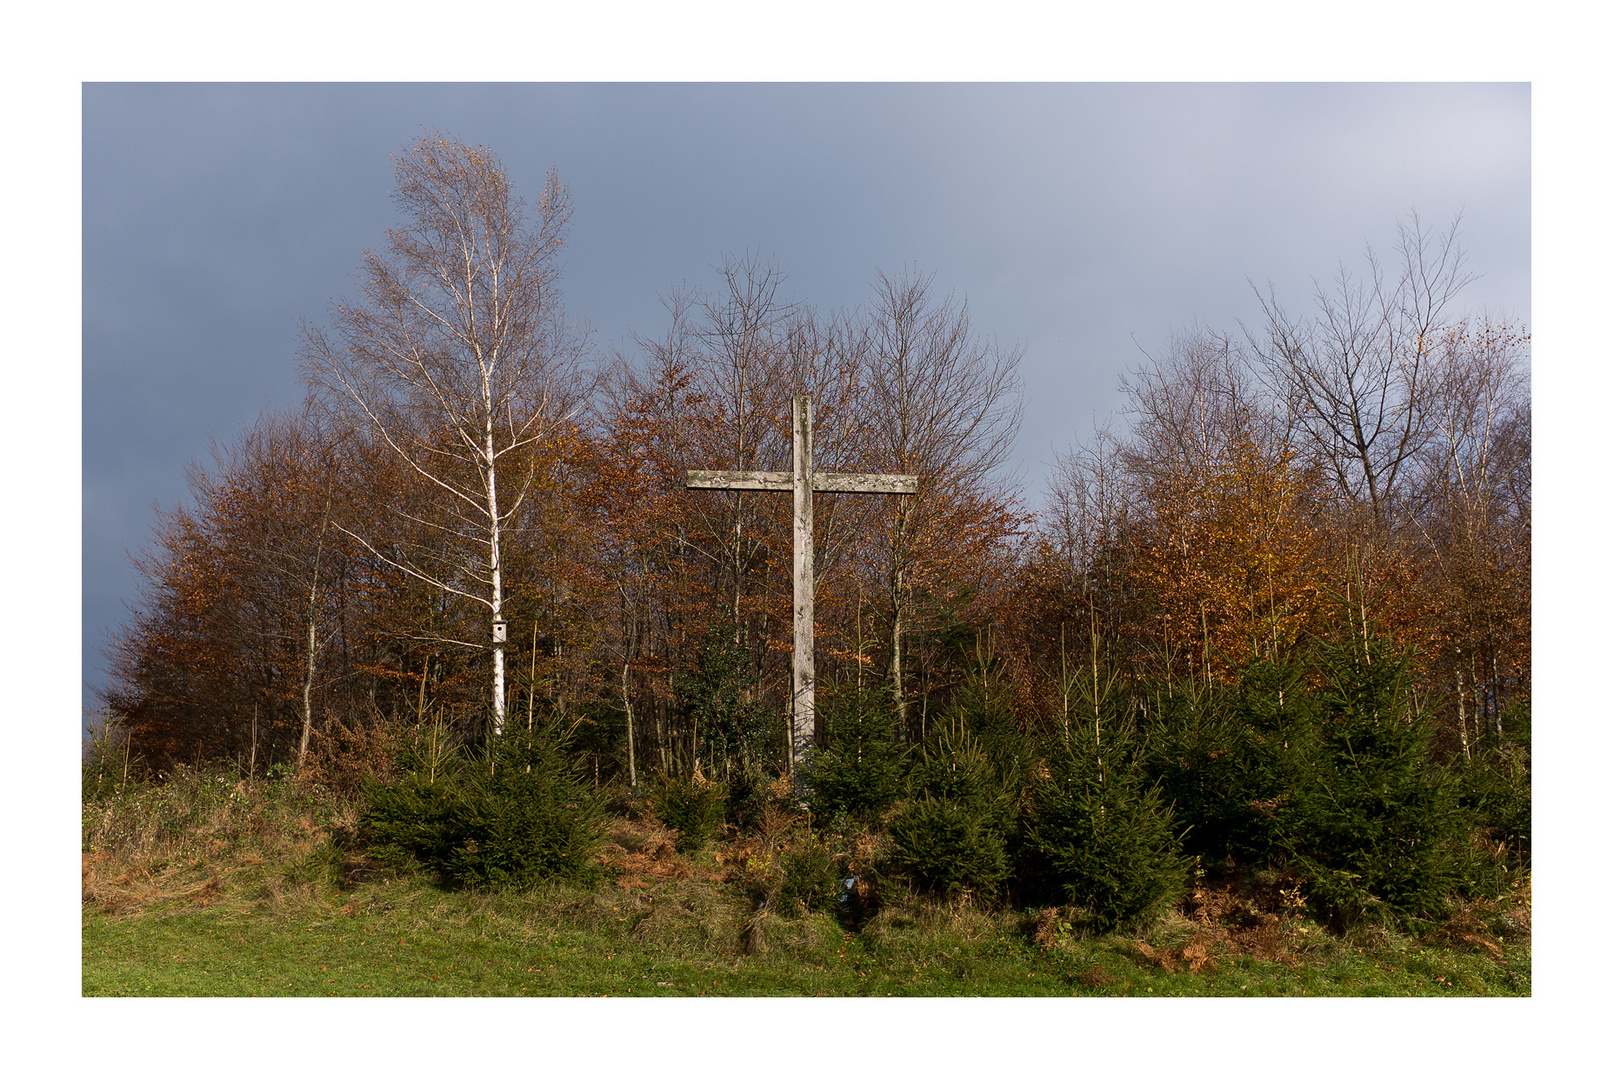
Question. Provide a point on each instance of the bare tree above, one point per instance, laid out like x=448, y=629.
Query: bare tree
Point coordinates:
x=248, y=579
x=1191, y=406
x=1088, y=509
x=458, y=361
x=942, y=403
x=290, y=462
x=1471, y=519
x=738, y=368
x=1354, y=373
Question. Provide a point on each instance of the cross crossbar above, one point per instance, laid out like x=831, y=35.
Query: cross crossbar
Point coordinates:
x=858, y=483
x=802, y=481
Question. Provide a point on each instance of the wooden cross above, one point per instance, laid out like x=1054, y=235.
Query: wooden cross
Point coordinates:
x=803, y=481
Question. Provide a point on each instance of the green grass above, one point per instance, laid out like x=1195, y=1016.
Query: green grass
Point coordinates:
x=204, y=888
x=405, y=939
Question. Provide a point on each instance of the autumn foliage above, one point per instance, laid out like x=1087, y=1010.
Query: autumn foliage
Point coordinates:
x=322, y=599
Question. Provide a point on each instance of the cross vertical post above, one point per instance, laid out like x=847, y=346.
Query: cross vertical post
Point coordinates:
x=801, y=728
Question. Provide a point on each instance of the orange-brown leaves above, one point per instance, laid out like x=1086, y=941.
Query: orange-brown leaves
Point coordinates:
x=1230, y=563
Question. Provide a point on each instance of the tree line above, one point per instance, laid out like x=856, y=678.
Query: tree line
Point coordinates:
x=473, y=522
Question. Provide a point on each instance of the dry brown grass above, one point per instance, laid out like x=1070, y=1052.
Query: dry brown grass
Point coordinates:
x=1195, y=956
x=1251, y=918
x=200, y=839
x=1485, y=925
x=636, y=852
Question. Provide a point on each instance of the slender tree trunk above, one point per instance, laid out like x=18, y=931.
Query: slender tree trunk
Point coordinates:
x=899, y=702
x=1204, y=633
x=661, y=734
x=627, y=705
x=1098, y=743
x=308, y=690
x=532, y=674
x=496, y=589
x=313, y=646
x=1064, y=682
x=898, y=612
x=1496, y=688
x=1462, y=716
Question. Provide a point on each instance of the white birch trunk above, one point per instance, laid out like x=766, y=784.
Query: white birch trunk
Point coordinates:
x=496, y=590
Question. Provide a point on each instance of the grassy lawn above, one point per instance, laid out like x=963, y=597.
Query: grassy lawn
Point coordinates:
x=215, y=891
x=402, y=939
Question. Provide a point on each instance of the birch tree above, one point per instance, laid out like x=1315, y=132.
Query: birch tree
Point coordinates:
x=457, y=360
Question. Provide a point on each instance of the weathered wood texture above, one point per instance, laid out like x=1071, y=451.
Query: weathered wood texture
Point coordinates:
x=866, y=483
x=739, y=481
x=801, y=735
x=857, y=483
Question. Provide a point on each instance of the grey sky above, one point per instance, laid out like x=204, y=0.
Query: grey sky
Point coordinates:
x=1081, y=220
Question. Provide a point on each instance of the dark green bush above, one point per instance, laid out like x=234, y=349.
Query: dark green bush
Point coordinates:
x=1374, y=823
x=1224, y=761
x=718, y=697
x=694, y=807
x=809, y=879
x=952, y=836
x=949, y=848
x=518, y=816
x=983, y=708
x=751, y=791
x=412, y=819
x=1495, y=787
x=857, y=769
x=1099, y=833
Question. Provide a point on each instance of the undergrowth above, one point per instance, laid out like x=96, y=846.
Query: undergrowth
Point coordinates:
x=207, y=885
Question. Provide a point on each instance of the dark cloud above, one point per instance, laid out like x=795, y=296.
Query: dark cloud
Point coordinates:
x=1081, y=220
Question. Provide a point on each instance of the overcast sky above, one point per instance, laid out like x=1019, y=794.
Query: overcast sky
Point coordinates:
x=1085, y=222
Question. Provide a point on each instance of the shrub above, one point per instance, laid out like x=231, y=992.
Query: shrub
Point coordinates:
x=1102, y=835
x=694, y=807
x=984, y=708
x=809, y=879
x=752, y=791
x=951, y=838
x=518, y=817
x=717, y=695
x=109, y=764
x=947, y=847
x=1224, y=761
x=1374, y=821
x=857, y=770
x=1495, y=788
